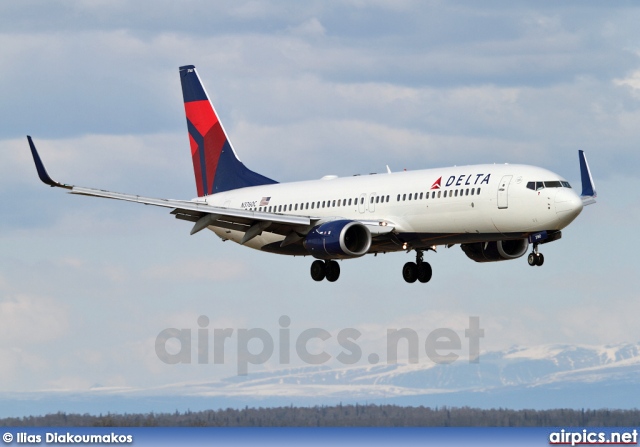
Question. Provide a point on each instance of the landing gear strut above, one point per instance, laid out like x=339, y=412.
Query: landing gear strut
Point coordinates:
x=419, y=270
x=328, y=269
x=535, y=258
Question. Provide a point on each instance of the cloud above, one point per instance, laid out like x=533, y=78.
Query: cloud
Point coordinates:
x=198, y=269
x=27, y=320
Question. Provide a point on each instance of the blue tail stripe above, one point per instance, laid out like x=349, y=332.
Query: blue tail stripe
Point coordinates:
x=192, y=90
x=233, y=174
x=199, y=139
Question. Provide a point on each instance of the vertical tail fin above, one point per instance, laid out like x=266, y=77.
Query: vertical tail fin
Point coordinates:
x=215, y=163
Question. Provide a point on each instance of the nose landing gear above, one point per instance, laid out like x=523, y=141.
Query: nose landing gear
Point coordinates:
x=535, y=258
x=417, y=271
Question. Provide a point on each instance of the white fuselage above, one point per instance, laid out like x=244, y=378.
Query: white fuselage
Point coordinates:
x=470, y=203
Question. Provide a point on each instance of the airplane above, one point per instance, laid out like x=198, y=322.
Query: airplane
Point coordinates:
x=495, y=212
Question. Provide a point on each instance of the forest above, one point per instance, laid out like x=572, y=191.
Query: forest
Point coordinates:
x=342, y=416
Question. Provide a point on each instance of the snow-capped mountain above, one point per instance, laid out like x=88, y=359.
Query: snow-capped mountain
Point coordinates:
x=541, y=377
x=515, y=369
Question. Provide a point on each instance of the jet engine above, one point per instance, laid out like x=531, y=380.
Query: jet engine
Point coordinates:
x=338, y=239
x=496, y=250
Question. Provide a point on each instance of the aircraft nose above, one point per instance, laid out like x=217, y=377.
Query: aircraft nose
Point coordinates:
x=568, y=204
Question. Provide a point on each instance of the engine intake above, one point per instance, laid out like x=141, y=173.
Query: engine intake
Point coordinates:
x=338, y=239
x=496, y=250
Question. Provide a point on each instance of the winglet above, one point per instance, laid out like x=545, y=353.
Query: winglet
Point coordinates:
x=589, y=193
x=42, y=172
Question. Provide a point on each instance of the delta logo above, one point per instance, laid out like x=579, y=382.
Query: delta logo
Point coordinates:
x=463, y=180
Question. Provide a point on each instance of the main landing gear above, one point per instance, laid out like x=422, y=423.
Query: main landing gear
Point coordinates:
x=419, y=270
x=325, y=269
x=535, y=258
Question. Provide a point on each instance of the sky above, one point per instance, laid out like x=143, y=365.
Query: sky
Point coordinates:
x=304, y=89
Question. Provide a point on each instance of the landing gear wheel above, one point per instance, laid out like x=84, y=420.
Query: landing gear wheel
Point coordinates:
x=410, y=272
x=535, y=259
x=424, y=272
x=318, y=270
x=332, y=270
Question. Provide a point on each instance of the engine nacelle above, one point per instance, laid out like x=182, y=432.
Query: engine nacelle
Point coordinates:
x=496, y=250
x=338, y=239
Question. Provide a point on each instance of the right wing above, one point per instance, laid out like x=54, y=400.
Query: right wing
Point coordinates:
x=252, y=223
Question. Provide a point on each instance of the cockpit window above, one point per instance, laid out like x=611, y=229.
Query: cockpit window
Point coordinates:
x=537, y=186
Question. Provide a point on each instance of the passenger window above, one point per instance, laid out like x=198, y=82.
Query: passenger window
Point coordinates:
x=334, y=203
x=349, y=202
x=296, y=207
x=404, y=197
x=420, y=196
x=409, y=196
x=472, y=191
x=387, y=199
x=445, y=194
x=377, y=199
x=312, y=203
x=398, y=197
x=478, y=193
x=439, y=192
x=456, y=193
x=466, y=193
x=362, y=201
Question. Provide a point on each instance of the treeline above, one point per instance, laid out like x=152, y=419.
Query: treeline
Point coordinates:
x=343, y=416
